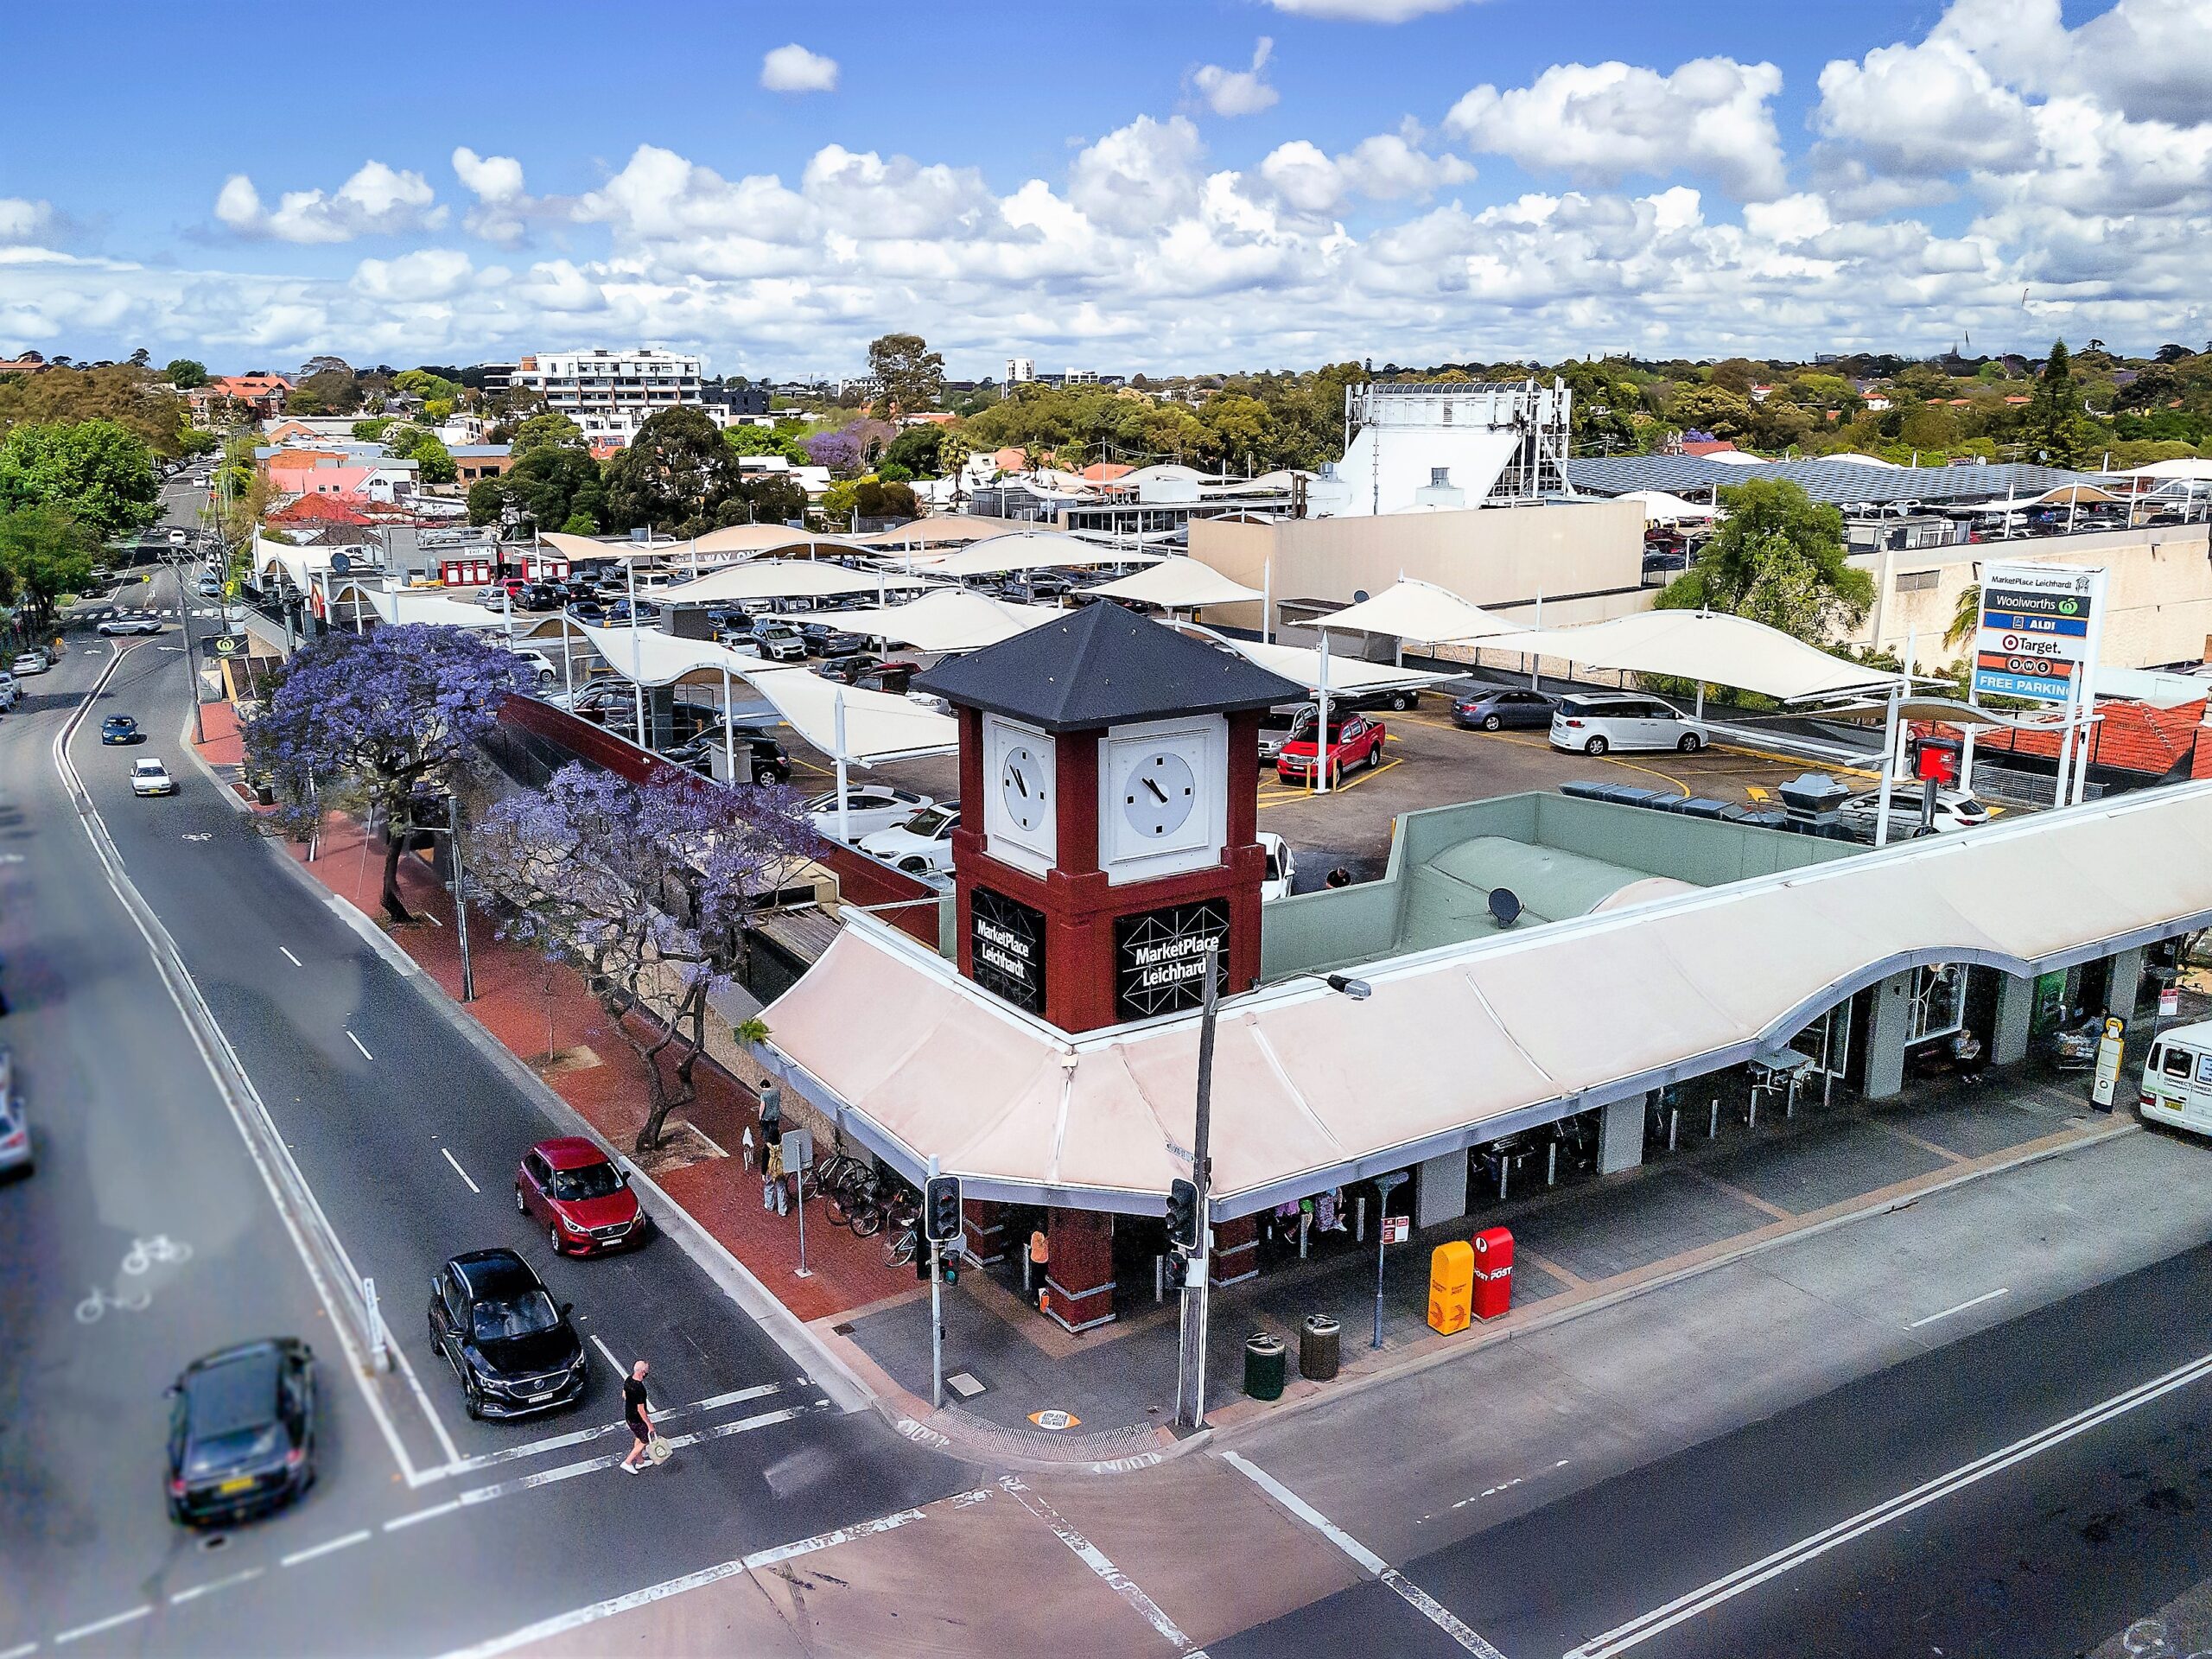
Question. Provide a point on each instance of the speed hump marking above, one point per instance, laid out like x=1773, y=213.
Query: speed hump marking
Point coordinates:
x=1055, y=1420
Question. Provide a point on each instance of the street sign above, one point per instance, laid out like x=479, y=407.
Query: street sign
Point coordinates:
x=798, y=1149
x=2040, y=626
x=2169, y=1002
x=1397, y=1230
x=224, y=644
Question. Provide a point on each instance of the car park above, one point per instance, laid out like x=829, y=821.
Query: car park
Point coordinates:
x=130, y=622
x=1955, y=810
x=242, y=1431
x=151, y=777
x=580, y=1196
x=1282, y=866
x=1354, y=740
x=1500, y=708
x=922, y=845
x=868, y=808
x=120, y=728
x=512, y=1350
x=1596, y=725
x=28, y=662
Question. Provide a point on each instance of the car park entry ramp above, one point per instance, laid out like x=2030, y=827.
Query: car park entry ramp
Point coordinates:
x=1461, y=1044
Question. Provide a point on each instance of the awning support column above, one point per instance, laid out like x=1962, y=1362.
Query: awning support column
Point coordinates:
x=844, y=799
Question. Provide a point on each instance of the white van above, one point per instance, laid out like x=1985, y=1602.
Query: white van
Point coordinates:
x=1593, y=724
x=2177, y=1079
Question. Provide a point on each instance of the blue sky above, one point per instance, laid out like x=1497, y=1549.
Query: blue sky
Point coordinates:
x=1115, y=186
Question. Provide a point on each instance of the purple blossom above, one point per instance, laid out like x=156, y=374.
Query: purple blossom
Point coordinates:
x=839, y=451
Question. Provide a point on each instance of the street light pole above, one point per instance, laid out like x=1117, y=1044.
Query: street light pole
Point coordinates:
x=460, y=897
x=1191, y=1369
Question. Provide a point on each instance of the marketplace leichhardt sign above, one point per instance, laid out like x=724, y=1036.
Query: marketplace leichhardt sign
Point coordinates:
x=1005, y=941
x=1159, y=958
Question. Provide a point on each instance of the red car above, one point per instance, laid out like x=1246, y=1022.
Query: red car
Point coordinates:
x=581, y=1198
x=1354, y=740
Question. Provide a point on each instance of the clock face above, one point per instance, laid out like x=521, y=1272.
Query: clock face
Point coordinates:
x=1024, y=780
x=1161, y=794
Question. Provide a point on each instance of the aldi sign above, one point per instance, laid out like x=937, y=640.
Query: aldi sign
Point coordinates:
x=2040, y=625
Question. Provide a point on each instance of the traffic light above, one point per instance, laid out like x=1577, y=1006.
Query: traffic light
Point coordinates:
x=941, y=1209
x=1183, y=1215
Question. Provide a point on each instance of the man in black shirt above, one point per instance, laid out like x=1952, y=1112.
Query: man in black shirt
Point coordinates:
x=636, y=1416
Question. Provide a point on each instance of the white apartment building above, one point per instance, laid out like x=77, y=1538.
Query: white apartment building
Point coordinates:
x=610, y=394
x=1019, y=371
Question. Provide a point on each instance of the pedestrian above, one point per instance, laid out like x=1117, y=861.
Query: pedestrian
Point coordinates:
x=637, y=1417
x=1339, y=877
x=774, y=1195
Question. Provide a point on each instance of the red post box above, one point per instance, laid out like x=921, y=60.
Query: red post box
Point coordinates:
x=1493, y=1272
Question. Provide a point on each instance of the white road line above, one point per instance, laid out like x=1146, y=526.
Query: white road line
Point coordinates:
x=18, y=1653
x=450, y=1158
x=611, y=1360
x=1413, y=1596
x=430, y=1514
x=289, y=957
x=1643, y=1628
x=334, y=1545
x=589, y=1465
x=600, y=1431
x=83, y=1631
x=358, y=1043
x=563, y=1623
x=199, y=1590
x=1976, y=1301
x=1094, y=1558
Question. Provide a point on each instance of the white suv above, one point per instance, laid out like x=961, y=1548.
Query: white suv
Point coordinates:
x=1594, y=725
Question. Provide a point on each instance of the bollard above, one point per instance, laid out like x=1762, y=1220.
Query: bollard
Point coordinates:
x=1673, y=1124
x=1359, y=1218
x=1751, y=1117
x=1158, y=1279
x=1713, y=1127
x=1551, y=1165
x=1505, y=1174
x=1305, y=1224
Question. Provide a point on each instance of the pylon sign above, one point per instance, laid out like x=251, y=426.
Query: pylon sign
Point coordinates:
x=2040, y=627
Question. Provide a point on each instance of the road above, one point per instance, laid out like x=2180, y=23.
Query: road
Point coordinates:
x=408, y=1136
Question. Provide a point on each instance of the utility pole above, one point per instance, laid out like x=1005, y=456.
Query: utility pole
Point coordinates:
x=460, y=896
x=1190, y=1367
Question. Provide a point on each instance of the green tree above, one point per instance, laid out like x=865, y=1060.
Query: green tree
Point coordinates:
x=428, y=386
x=552, y=484
x=184, y=373
x=765, y=441
x=97, y=471
x=45, y=552
x=580, y=524
x=488, y=500
x=1725, y=414
x=435, y=461
x=1777, y=558
x=546, y=431
x=124, y=396
x=1965, y=615
x=2057, y=432
x=909, y=377
x=327, y=391
x=677, y=475
x=916, y=450
x=372, y=429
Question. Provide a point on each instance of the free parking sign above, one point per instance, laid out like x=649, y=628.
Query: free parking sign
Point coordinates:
x=2040, y=625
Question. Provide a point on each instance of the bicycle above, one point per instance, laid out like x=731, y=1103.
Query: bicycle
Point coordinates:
x=899, y=1252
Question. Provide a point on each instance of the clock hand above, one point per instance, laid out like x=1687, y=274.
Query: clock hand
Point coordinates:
x=1020, y=782
x=1159, y=793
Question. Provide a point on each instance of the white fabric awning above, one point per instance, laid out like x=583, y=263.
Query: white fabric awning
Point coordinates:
x=938, y=529
x=784, y=579
x=1660, y=507
x=651, y=658
x=1032, y=549
x=879, y=725
x=1705, y=646
x=948, y=618
x=397, y=605
x=1457, y=1045
x=1418, y=610
x=763, y=538
x=1346, y=673
x=583, y=547
x=1179, y=584
x=301, y=564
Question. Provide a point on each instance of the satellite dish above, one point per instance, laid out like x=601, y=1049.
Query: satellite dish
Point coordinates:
x=340, y=564
x=1505, y=905
x=1359, y=595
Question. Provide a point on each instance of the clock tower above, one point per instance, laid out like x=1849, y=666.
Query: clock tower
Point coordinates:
x=1108, y=781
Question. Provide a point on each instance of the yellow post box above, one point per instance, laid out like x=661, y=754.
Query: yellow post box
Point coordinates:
x=1451, y=1287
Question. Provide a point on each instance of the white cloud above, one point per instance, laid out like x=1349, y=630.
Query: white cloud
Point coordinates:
x=794, y=69
x=1366, y=11
x=1238, y=91
x=1388, y=166
x=427, y=273
x=1603, y=122
x=22, y=220
x=502, y=204
x=378, y=200
x=1139, y=177
x=1924, y=109
x=868, y=196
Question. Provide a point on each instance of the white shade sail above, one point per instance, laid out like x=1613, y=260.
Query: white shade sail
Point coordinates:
x=1179, y=584
x=299, y=563
x=398, y=605
x=1346, y=674
x=583, y=547
x=1032, y=549
x=948, y=618
x=763, y=538
x=2194, y=470
x=879, y=725
x=650, y=657
x=1703, y=645
x=1418, y=610
x=1457, y=1045
x=784, y=579
x=938, y=529
x=1660, y=507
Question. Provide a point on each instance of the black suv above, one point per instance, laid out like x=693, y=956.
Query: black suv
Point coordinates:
x=764, y=760
x=514, y=1352
x=242, y=1431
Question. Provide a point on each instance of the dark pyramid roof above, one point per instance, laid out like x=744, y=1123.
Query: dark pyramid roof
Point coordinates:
x=1104, y=665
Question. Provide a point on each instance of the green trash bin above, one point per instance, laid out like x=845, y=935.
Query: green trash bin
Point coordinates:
x=1321, y=1342
x=1264, y=1360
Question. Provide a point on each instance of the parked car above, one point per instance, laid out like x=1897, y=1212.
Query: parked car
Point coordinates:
x=580, y=1196
x=538, y=662
x=922, y=845
x=28, y=662
x=2176, y=1084
x=540, y=596
x=828, y=639
x=1955, y=810
x=10, y=693
x=210, y=587
x=1275, y=727
x=1500, y=709
x=130, y=622
x=120, y=728
x=1400, y=698
x=1354, y=740
x=851, y=670
x=17, y=1157
x=179, y=537
x=1596, y=724
x=242, y=1431
x=587, y=610
x=760, y=757
x=781, y=643
x=1282, y=866
x=151, y=777
x=513, y=1351
x=868, y=808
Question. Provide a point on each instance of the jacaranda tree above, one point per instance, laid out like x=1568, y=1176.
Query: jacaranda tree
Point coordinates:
x=649, y=890
x=373, y=723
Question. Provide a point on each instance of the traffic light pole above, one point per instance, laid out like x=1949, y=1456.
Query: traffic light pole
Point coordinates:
x=1190, y=1367
x=937, y=1307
